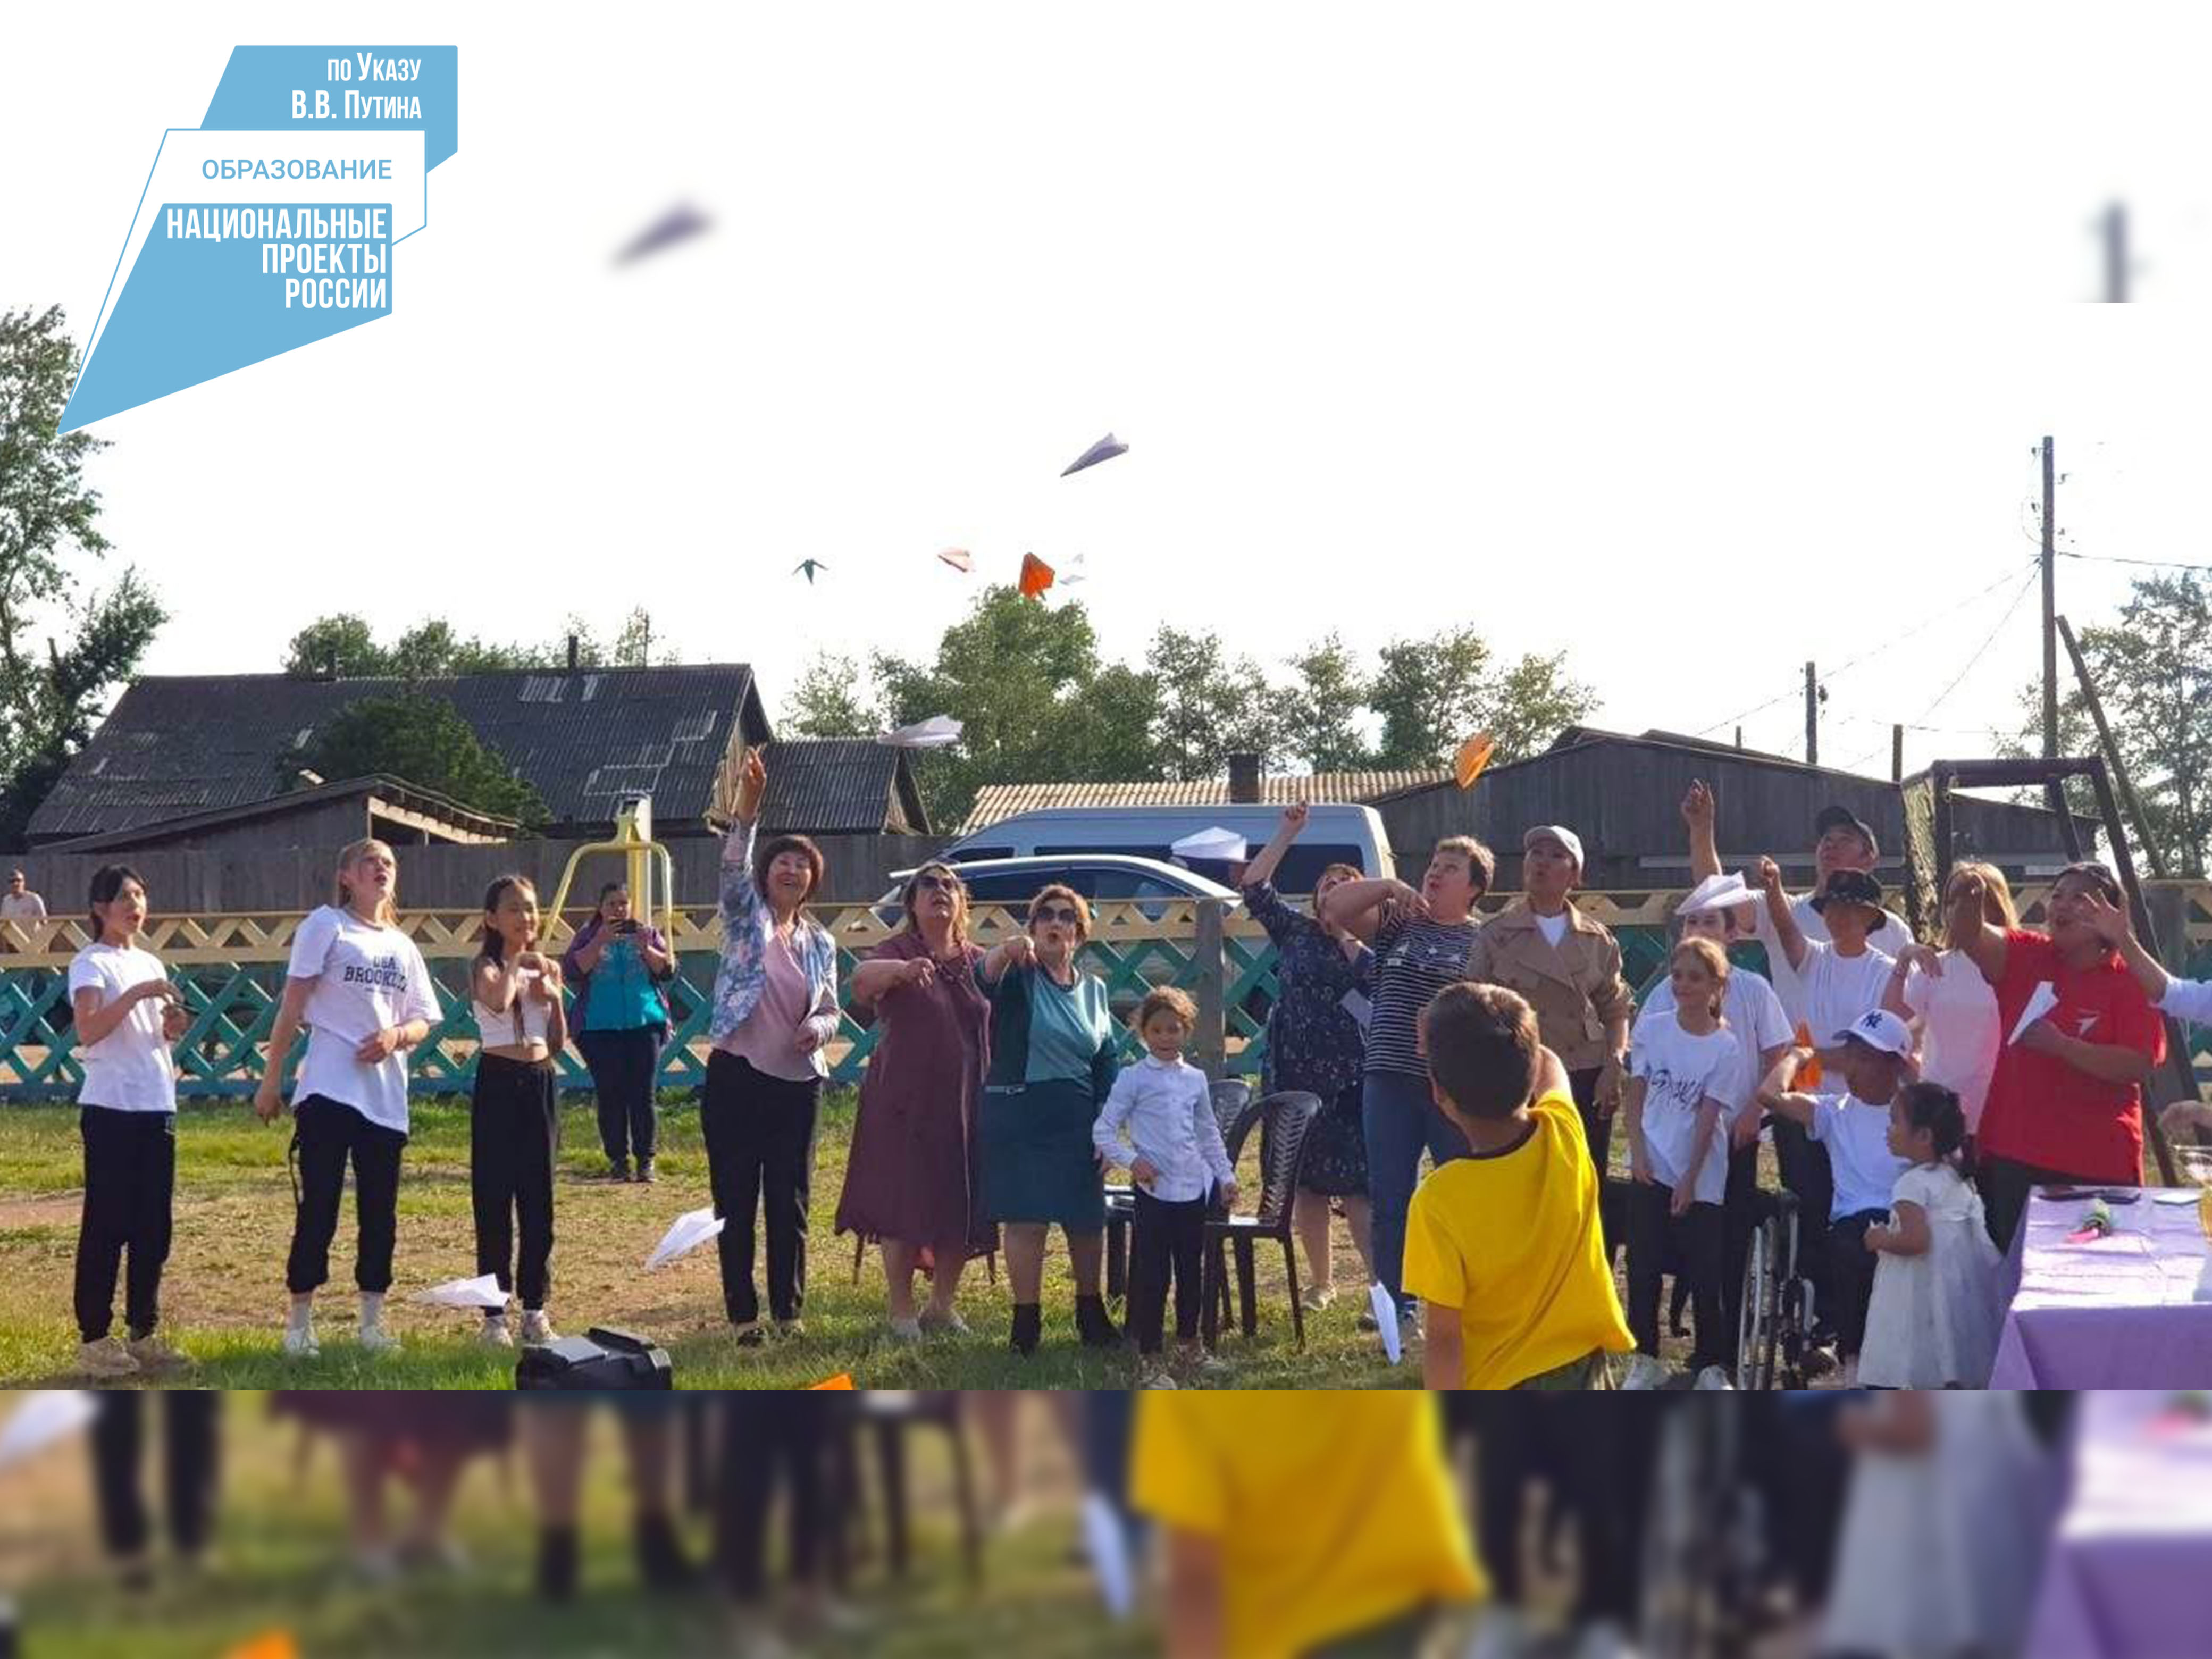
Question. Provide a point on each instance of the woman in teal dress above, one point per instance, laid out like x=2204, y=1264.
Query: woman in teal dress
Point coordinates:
x=1052, y=1066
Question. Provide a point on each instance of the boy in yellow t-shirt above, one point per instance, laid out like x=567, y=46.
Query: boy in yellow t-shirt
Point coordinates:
x=1301, y=1524
x=1505, y=1245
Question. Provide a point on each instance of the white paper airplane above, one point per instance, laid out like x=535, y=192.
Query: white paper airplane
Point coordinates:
x=481, y=1294
x=1107, y=1546
x=1219, y=846
x=938, y=731
x=1105, y=450
x=1386, y=1319
x=684, y=1235
x=958, y=558
x=2040, y=1001
x=46, y=1415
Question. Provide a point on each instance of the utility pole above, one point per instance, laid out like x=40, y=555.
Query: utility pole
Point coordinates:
x=2114, y=227
x=1812, y=716
x=1897, y=754
x=2050, y=608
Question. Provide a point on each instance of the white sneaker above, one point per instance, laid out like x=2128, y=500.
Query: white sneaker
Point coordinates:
x=906, y=1330
x=375, y=1339
x=1851, y=1379
x=1501, y=1635
x=537, y=1330
x=105, y=1359
x=1159, y=1377
x=155, y=1355
x=299, y=1342
x=948, y=1324
x=1712, y=1380
x=1606, y=1640
x=495, y=1334
x=1645, y=1375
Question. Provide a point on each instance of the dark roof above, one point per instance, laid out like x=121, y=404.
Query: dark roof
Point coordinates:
x=427, y=803
x=183, y=745
x=841, y=785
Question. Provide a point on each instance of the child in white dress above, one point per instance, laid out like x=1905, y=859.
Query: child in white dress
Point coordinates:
x=1932, y=1318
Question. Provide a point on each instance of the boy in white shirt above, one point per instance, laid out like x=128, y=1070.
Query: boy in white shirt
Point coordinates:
x=1872, y=1055
x=1176, y=1160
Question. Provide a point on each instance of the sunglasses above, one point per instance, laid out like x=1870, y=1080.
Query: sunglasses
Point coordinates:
x=1065, y=912
x=936, y=885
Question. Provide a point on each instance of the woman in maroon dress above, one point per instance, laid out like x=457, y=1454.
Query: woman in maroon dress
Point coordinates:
x=911, y=1179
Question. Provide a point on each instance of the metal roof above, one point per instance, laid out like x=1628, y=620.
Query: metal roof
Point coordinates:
x=181, y=745
x=997, y=802
x=396, y=791
x=841, y=785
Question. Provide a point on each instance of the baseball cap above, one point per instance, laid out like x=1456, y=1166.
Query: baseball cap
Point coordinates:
x=1849, y=887
x=1566, y=838
x=1842, y=817
x=1880, y=1028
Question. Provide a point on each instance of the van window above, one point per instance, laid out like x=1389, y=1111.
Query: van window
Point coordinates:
x=971, y=854
x=1006, y=887
x=1104, y=844
x=1303, y=865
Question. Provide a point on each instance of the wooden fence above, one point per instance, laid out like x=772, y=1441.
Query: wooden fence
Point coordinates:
x=231, y=968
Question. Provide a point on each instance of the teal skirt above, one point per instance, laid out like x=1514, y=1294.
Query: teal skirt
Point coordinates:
x=1038, y=1162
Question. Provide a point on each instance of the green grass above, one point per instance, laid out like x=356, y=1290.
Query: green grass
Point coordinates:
x=223, y=1293
x=282, y=1544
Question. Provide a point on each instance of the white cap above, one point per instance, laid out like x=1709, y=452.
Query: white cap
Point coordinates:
x=1880, y=1028
x=1566, y=838
x=1716, y=893
x=1222, y=846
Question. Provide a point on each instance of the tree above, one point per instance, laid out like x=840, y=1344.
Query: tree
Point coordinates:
x=834, y=698
x=1429, y=694
x=2153, y=672
x=341, y=645
x=1532, y=702
x=1209, y=707
x=47, y=511
x=1320, y=722
x=1026, y=683
x=423, y=739
x=431, y=650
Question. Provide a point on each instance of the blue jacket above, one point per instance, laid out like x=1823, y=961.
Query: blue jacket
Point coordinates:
x=748, y=926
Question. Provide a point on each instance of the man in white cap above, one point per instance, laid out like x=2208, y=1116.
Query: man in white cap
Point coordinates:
x=1567, y=968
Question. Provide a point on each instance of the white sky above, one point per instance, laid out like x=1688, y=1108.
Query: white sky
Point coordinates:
x=1695, y=348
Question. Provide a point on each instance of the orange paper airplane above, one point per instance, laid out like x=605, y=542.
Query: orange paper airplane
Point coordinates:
x=1474, y=754
x=1036, y=576
x=277, y=1644
x=836, y=1385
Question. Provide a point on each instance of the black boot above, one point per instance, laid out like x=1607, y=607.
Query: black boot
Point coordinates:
x=661, y=1564
x=1029, y=1326
x=558, y=1558
x=1092, y=1325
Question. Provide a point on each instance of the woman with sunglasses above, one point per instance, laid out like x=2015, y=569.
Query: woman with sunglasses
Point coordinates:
x=910, y=1181
x=1051, y=1066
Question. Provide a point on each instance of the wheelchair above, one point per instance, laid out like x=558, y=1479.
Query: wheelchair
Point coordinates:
x=1775, y=1322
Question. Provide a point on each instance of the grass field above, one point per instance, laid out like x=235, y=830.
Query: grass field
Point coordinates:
x=282, y=1543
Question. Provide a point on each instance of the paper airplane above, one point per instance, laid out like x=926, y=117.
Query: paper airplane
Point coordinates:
x=481, y=1293
x=680, y=223
x=807, y=568
x=1108, y=1545
x=1075, y=570
x=842, y=1383
x=277, y=1644
x=938, y=731
x=957, y=557
x=1386, y=1319
x=46, y=1415
x=1105, y=450
x=1220, y=845
x=1036, y=576
x=1474, y=754
x=2040, y=1001
x=684, y=1235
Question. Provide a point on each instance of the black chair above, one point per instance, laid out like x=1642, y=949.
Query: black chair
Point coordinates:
x=860, y=1258
x=1283, y=1120
x=1231, y=1096
x=890, y=1418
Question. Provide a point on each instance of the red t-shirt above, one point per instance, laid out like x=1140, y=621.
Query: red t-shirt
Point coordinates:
x=2042, y=1110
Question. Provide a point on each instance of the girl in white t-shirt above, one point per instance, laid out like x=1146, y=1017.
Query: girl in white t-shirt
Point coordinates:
x=126, y=1015
x=1681, y=1075
x=363, y=992
x=1932, y=1318
x=1950, y=1006
x=514, y=1118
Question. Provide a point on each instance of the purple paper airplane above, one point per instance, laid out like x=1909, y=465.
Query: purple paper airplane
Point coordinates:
x=678, y=224
x=1105, y=450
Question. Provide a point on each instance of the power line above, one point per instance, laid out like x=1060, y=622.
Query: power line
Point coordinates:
x=1980, y=651
x=2152, y=564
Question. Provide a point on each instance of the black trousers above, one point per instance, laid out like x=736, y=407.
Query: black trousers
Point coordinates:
x=771, y=1440
x=1739, y=1221
x=1165, y=1238
x=129, y=1177
x=2005, y=1186
x=760, y=1147
x=514, y=1140
x=190, y=1447
x=622, y=1064
x=1804, y=1164
x=327, y=1136
x=1851, y=1272
x=1693, y=1239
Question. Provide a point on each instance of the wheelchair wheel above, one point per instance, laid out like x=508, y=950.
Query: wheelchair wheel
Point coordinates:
x=1755, y=1325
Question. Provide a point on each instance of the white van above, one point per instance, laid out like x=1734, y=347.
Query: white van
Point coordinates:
x=1333, y=834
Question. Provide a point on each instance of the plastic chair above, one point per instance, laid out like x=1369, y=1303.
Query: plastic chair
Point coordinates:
x=1230, y=1096
x=891, y=1416
x=1283, y=1120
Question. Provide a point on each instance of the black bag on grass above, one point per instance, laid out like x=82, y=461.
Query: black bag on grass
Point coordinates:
x=605, y=1362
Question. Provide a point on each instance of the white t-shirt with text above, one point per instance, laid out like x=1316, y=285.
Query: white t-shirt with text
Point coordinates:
x=1680, y=1071
x=367, y=978
x=130, y=1069
x=1755, y=1020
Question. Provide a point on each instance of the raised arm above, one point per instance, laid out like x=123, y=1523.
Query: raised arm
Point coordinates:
x=1262, y=869
x=1969, y=930
x=1698, y=815
x=1786, y=930
x=1893, y=989
x=740, y=898
x=1349, y=901
x=2186, y=999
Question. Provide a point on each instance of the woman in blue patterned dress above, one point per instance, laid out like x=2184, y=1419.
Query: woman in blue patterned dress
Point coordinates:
x=1317, y=1043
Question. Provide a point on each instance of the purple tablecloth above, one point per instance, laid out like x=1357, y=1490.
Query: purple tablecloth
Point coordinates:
x=2127, y=1573
x=2113, y=1313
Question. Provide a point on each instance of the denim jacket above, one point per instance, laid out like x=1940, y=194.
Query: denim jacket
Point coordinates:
x=748, y=925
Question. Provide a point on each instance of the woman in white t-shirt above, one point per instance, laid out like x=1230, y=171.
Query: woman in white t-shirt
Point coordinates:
x=1950, y=1007
x=126, y=1014
x=1681, y=1069
x=363, y=992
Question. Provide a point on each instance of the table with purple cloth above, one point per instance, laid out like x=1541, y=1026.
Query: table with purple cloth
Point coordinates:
x=2126, y=1574
x=2116, y=1312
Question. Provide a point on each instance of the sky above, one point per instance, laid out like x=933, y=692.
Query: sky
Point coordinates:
x=1695, y=346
